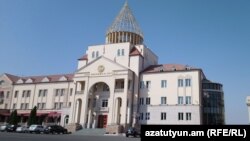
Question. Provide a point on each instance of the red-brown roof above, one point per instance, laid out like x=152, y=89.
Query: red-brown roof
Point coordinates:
x=13, y=78
x=167, y=67
x=84, y=57
x=134, y=52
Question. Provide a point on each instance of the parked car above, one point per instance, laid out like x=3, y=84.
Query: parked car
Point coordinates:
x=36, y=128
x=52, y=129
x=3, y=127
x=22, y=129
x=12, y=128
x=133, y=132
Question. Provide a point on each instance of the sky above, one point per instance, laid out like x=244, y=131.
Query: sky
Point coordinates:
x=41, y=37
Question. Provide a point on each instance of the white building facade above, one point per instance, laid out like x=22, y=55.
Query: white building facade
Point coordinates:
x=116, y=85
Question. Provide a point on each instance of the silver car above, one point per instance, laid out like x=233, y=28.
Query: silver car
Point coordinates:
x=36, y=128
x=22, y=129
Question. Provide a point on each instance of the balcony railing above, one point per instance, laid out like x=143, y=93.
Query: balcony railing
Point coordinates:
x=80, y=92
x=102, y=109
x=119, y=90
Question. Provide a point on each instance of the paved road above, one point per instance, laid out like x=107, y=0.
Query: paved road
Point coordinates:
x=42, y=137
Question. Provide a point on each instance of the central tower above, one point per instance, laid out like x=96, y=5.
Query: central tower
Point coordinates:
x=124, y=28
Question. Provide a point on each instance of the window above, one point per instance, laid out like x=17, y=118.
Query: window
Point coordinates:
x=69, y=104
x=104, y=103
x=93, y=54
x=122, y=52
x=8, y=94
x=45, y=93
x=26, y=105
x=188, y=82
x=147, y=116
x=188, y=99
x=60, y=105
x=141, y=101
x=164, y=83
x=118, y=52
x=97, y=54
x=163, y=100
x=40, y=93
x=141, y=116
x=180, y=83
x=38, y=105
x=28, y=93
x=16, y=94
x=22, y=106
x=24, y=92
x=62, y=92
x=188, y=116
x=43, y=105
x=57, y=92
x=148, y=101
x=180, y=116
x=163, y=116
x=55, y=105
x=141, y=84
x=148, y=84
x=5, y=106
x=14, y=106
x=180, y=99
x=71, y=91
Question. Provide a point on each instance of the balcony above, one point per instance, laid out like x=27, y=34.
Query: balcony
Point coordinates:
x=80, y=92
x=117, y=90
x=102, y=109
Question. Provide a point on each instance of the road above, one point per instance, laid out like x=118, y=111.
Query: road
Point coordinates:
x=71, y=137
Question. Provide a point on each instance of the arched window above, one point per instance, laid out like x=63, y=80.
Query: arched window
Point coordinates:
x=122, y=52
x=93, y=54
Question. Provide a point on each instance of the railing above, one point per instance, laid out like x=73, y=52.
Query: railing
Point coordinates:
x=119, y=90
x=102, y=109
x=80, y=92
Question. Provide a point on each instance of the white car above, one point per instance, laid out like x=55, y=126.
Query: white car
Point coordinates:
x=22, y=129
x=36, y=129
x=3, y=128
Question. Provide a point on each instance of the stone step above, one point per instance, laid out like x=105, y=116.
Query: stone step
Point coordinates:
x=96, y=132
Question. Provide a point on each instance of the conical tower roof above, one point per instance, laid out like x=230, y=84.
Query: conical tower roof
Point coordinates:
x=125, y=21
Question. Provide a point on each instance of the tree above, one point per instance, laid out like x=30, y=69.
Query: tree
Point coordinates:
x=32, y=117
x=13, y=118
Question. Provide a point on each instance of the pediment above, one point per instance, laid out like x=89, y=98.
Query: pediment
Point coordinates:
x=101, y=65
x=63, y=78
x=45, y=79
x=29, y=80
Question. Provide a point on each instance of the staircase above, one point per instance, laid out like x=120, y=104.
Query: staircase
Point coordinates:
x=91, y=132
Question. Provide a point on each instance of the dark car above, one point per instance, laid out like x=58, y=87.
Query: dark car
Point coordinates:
x=133, y=132
x=55, y=129
x=12, y=128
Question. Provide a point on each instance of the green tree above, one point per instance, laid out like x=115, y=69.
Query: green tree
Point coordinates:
x=13, y=118
x=32, y=117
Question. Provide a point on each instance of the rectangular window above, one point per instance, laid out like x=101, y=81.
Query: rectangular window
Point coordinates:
x=5, y=106
x=148, y=84
x=188, y=100
x=57, y=92
x=141, y=101
x=163, y=116
x=24, y=92
x=55, y=105
x=188, y=116
x=163, y=83
x=14, y=106
x=26, y=105
x=62, y=92
x=8, y=94
x=141, y=116
x=141, y=84
x=188, y=82
x=180, y=116
x=69, y=104
x=45, y=93
x=71, y=91
x=163, y=100
x=180, y=82
x=28, y=93
x=38, y=105
x=21, y=106
x=180, y=99
x=60, y=105
x=122, y=52
x=148, y=101
x=16, y=94
x=43, y=105
x=104, y=103
x=40, y=93
x=93, y=54
x=147, y=116
x=118, y=52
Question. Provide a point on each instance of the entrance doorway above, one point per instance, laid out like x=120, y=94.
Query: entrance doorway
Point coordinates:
x=102, y=121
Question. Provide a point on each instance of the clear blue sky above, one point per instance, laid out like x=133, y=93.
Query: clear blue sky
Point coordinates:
x=48, y=36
